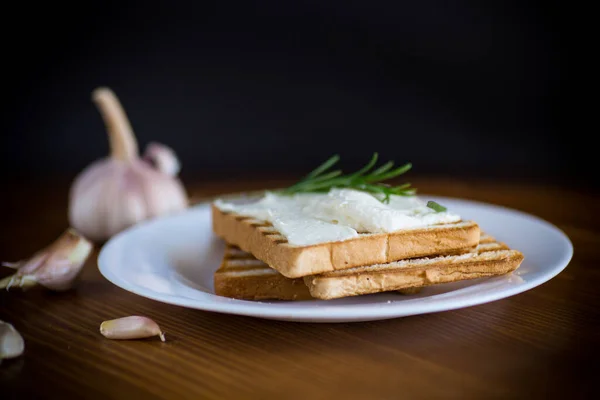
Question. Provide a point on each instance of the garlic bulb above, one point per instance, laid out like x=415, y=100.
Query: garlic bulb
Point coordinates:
x=117, y=192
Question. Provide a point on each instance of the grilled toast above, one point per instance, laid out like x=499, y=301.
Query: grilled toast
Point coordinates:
x=490, y=258
x=268, y=245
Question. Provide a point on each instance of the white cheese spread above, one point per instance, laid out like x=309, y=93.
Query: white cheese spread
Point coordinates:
x=341, y=214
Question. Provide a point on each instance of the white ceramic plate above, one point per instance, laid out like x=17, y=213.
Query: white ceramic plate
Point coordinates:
x=172, y=260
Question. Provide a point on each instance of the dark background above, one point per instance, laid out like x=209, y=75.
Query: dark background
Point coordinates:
x=240, y=88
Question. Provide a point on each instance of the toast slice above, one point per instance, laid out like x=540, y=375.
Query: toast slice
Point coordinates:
x=241, y=276
x=266, y=244
x=489, y=259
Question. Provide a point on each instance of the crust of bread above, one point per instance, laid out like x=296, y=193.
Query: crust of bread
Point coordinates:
x=269, y=246
x=408, y=274
x=410, y=291
x=241, y=276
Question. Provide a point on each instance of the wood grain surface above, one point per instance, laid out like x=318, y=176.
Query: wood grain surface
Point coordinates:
x=538, y=344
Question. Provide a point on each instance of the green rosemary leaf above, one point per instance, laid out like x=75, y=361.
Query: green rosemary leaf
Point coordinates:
x=389, y=175
x=323, y=167
x=384, y=168
x=321, y=178
x=374, y=188
x=314, y=174
x=367, y=167
x=311, y=186
x=435, y=206
x=401, y=187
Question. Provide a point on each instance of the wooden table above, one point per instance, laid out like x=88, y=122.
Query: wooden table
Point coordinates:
x=538, y=344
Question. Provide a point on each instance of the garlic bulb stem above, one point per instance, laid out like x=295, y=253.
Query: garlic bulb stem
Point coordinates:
x=123, y=145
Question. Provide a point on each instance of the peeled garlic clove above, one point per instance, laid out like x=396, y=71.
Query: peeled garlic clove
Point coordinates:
x=56, y=267
x=115, y=193
x=11, y=342
x=134, y=327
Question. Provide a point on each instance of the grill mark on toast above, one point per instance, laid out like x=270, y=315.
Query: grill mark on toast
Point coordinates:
x=257, y=224
x=248, y=263
x=234, y=252
x=491, y=247
x=485, y=238
x=267, y=230
x=240, y=268
x=276, y=237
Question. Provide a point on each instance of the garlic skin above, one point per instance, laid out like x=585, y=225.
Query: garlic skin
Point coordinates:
x=163, y=158
x=56, y=267
x=11, y=342
x=134, y=327
x=122, y=190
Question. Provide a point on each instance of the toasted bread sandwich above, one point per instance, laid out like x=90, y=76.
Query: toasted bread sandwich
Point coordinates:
x=335, y=233
x=329, y=221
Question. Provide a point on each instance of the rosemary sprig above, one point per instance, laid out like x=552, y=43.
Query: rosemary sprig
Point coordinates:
x=365, y=179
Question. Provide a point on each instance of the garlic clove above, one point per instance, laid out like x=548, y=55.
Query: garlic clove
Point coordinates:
x=95, y=200
x=30, y=265
x=134, y=327
x=55, y=267
x=163, y=158
x=11, y=342
x=127, y=205
x=163, y=196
